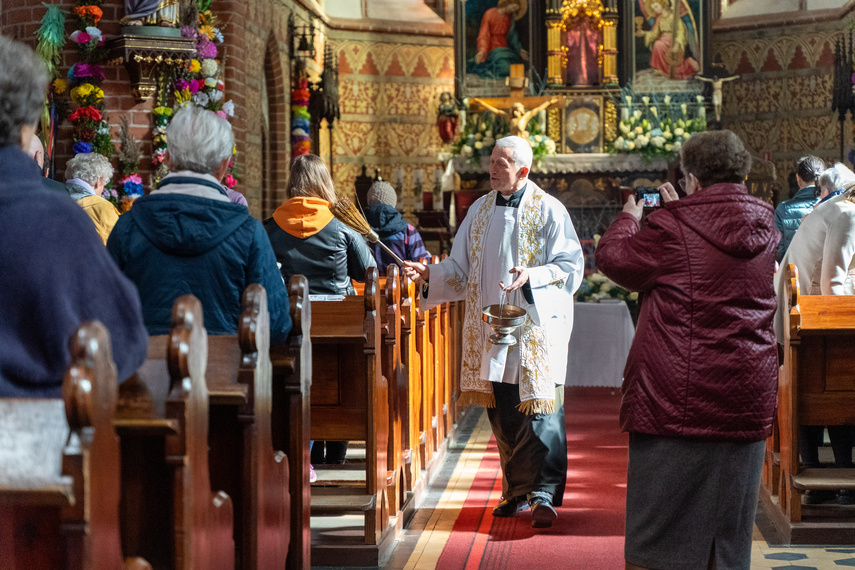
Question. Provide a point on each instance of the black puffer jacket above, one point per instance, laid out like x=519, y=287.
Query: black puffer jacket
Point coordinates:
x=308, y=240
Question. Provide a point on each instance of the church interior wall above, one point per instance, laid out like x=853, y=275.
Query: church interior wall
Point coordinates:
x=782, y=103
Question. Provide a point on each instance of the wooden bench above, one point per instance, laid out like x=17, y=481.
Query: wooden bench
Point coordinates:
x=243, y=461
x=350, y=402
x=411, y=357
x=292, y=382
x=169, y=515
x=816, y=387
x=59, y=468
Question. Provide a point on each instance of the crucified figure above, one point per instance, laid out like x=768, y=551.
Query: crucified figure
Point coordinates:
x=518, y=117
x=716, y=91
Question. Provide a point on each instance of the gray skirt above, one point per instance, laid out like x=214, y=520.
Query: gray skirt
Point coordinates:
x=688, y=498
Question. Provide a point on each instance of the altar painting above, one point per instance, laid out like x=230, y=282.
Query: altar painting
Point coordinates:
x=496, y=34
x=668, y=44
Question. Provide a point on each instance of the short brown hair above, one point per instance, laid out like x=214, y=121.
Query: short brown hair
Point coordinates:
x=310, y=178
x=715, y=157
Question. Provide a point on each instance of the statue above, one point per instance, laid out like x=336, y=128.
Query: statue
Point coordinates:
x=151, y=12
x=446, y=120
x=716, y=91
x=518, y=117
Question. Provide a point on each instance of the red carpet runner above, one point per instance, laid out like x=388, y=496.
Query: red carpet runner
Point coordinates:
x=589, y=531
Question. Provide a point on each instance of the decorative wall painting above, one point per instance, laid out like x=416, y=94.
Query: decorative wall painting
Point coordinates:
x=583, y=124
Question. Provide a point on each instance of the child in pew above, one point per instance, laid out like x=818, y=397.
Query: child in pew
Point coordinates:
x=308, y=240
x=54, y=270
x=187, y=238
x=394, y=231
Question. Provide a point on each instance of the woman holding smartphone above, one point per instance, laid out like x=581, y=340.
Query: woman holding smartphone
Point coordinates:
x=700, y=381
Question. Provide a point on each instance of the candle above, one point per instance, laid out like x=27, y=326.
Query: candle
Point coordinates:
x=398, y=177
x=418, y=176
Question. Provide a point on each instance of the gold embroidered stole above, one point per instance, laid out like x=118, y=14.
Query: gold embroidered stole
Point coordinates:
x=537, y=392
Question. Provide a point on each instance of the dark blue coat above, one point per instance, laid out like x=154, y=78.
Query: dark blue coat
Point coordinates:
x=55, y=274
x=174, y=244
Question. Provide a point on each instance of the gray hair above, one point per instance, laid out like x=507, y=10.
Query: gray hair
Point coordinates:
x=199, y=140
x=89, y=167
x=522, y=150
x=23, y=82
x=836, y=178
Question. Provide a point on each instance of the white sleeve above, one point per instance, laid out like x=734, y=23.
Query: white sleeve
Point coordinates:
x=565, y=263
x=448, y=278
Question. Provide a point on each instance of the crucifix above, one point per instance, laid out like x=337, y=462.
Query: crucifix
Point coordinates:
x=517, y=102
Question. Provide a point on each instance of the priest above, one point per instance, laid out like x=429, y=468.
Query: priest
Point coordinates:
x=516, y=245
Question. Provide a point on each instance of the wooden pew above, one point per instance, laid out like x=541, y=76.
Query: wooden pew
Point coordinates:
x=816, y=387
x=243, y=461
x=410, y=356
x=169, y=514
x=350, y=401
x=59, y=468
x=396, y=379
x=292, y=382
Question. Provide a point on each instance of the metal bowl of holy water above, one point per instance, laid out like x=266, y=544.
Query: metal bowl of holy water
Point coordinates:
x=503, y=319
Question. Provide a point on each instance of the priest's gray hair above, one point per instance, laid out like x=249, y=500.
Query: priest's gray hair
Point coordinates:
x=89, y=167
x=199, y=140
x=836, y=178
x=23, y=83
x=522, y=150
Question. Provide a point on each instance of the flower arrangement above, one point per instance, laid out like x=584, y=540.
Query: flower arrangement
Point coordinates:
x=300, y=141
x=596, y=287
x=477, y=138
x=91, y=130
x=657, y=131
x=130, y=182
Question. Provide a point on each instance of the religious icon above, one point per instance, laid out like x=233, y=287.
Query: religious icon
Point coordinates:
x=500, y=25
x=151, y=12
x=668, y=42
x=583, y=130
x=518, y=117
x=446, y=120
x=716, y=83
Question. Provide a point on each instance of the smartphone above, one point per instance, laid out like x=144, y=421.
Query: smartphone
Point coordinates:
x=649, y=197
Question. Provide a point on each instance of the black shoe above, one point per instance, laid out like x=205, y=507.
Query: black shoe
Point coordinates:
x=542, y=513
x=510, y=507
x=845, y=497
x=818, y=496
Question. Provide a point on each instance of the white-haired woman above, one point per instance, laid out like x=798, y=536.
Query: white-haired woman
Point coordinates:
x=833, y=181
x=186, y=237
x=85, y=178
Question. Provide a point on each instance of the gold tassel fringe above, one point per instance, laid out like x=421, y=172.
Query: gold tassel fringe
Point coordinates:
x=477, y=399
x=531, y=407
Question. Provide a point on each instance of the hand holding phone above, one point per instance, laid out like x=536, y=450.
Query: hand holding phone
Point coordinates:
x=648, y=197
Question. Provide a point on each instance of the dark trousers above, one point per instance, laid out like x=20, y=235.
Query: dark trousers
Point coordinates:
x=335, y=452
x=842, y=439
x=532, y=448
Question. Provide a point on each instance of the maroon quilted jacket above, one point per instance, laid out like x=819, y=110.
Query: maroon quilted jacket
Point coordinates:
x=704, y=362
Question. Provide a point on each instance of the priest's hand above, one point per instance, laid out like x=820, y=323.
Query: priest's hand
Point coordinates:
x=632, y=208
x=416, y=271
x=522, y=279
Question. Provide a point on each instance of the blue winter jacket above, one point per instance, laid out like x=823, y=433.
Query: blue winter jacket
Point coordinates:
x=396, y=234
x=174, y=244
x=55, y=274
x=789, y=214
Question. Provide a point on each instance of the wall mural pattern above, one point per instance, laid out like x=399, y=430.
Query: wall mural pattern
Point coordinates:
x=782, y=103
x=389, y=95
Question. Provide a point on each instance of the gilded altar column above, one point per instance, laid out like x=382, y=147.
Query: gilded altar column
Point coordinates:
x=554, y=55
x=610, y=51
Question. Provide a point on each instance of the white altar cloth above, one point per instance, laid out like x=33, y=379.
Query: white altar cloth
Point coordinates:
x=602, y=335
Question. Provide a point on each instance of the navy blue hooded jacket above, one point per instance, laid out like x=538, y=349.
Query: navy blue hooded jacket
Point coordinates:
x=55, y=274
x=174, y=244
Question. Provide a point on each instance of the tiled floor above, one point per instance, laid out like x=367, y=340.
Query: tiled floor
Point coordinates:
x=422, y=542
